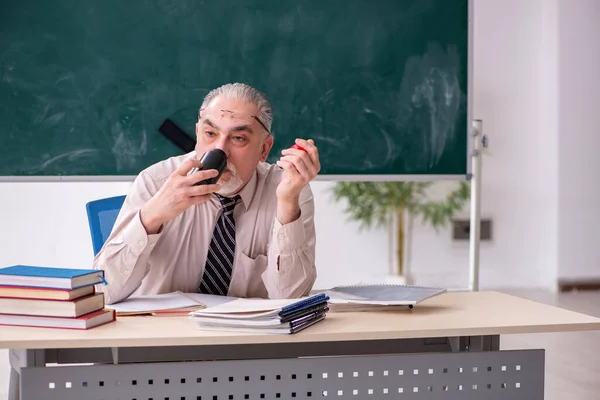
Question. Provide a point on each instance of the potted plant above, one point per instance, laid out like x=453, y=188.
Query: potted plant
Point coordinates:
x=395, y=205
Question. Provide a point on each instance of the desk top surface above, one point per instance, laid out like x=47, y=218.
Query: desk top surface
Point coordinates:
x=449, y=314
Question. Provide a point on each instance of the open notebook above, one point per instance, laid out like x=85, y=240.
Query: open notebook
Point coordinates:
x=379, y=297
x=167, y=304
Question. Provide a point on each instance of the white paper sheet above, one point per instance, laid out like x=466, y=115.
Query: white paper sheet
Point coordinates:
x=168, y=301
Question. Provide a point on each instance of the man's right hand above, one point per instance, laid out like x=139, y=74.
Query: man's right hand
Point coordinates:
x=176, y=195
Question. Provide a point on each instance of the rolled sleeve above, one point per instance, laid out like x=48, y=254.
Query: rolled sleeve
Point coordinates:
x=289, y=237
x=291, y=270
x=135, y=236
x=124, y=256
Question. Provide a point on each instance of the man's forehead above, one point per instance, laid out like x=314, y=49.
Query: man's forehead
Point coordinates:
x=215, y=116
x=224, y=114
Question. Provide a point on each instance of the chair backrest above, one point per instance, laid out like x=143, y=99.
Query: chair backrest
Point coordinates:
x=102, y=215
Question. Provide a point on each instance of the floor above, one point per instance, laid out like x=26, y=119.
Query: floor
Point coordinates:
x=572, y=359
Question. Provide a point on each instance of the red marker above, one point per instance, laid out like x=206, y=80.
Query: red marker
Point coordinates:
x=299, y=148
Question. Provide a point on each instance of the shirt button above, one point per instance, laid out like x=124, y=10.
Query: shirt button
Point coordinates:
x=125, y=270
x=141, y=242
x=281, y=236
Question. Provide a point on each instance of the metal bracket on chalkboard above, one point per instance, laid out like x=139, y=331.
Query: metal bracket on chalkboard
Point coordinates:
x=176, y=135
x=475, y=152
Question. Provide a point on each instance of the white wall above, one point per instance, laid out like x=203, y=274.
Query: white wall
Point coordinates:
x=547, y=146
x=537, y=89
x=579, y=142
x=46, y=223
x=513, y=83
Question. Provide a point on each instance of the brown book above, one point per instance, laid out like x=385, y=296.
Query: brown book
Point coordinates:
x=86, y=321
x=28, y=292
x=53, y=308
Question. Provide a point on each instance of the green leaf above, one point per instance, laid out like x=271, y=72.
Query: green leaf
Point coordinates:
x=371, y=203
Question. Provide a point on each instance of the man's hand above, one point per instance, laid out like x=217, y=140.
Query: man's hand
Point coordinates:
x=301, y=167
x=177, y=195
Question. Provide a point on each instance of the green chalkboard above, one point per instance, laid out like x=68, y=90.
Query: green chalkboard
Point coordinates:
x=380, y=85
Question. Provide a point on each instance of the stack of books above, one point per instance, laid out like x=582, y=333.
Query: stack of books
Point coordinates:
x=52, y=297
x=283, y=316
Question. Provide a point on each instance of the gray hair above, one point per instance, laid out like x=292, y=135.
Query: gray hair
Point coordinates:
x=247, y=94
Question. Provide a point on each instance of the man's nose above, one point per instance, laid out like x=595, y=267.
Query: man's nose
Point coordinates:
x=223, y=145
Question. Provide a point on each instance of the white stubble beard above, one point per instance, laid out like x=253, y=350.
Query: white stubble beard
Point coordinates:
x=233, y=184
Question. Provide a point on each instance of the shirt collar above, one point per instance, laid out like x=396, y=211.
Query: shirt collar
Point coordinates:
x=247, y=192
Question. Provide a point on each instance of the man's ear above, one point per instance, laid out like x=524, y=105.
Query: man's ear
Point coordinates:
x=198, y=131
x=266, y=148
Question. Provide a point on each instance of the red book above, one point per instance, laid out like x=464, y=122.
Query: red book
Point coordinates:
x=52, y=308
x=86, y=321
x=30, y=292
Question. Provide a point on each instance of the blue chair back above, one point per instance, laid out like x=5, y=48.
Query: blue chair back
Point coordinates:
x=102, y=215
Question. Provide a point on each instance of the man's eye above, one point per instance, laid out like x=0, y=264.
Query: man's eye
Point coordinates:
x=239, y=138
x=209, y=133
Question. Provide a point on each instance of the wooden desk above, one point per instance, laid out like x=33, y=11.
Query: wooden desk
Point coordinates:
x=451, y=341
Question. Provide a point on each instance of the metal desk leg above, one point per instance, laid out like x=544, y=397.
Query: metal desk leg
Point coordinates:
x=13, y=385
x=21, y=359
x=475, y=343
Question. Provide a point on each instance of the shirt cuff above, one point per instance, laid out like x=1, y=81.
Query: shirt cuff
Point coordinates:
x=289, y=236
x=136, y=238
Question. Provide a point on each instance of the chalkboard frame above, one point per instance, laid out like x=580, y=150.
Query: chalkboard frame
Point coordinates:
x=320, y=177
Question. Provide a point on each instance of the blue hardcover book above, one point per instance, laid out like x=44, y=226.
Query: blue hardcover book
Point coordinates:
x=48, y=277
x=297, y=307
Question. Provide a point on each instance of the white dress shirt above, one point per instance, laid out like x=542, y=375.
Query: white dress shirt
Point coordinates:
x=271, y=260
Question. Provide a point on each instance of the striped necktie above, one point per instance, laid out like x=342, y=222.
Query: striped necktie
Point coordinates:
x=219, y=260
